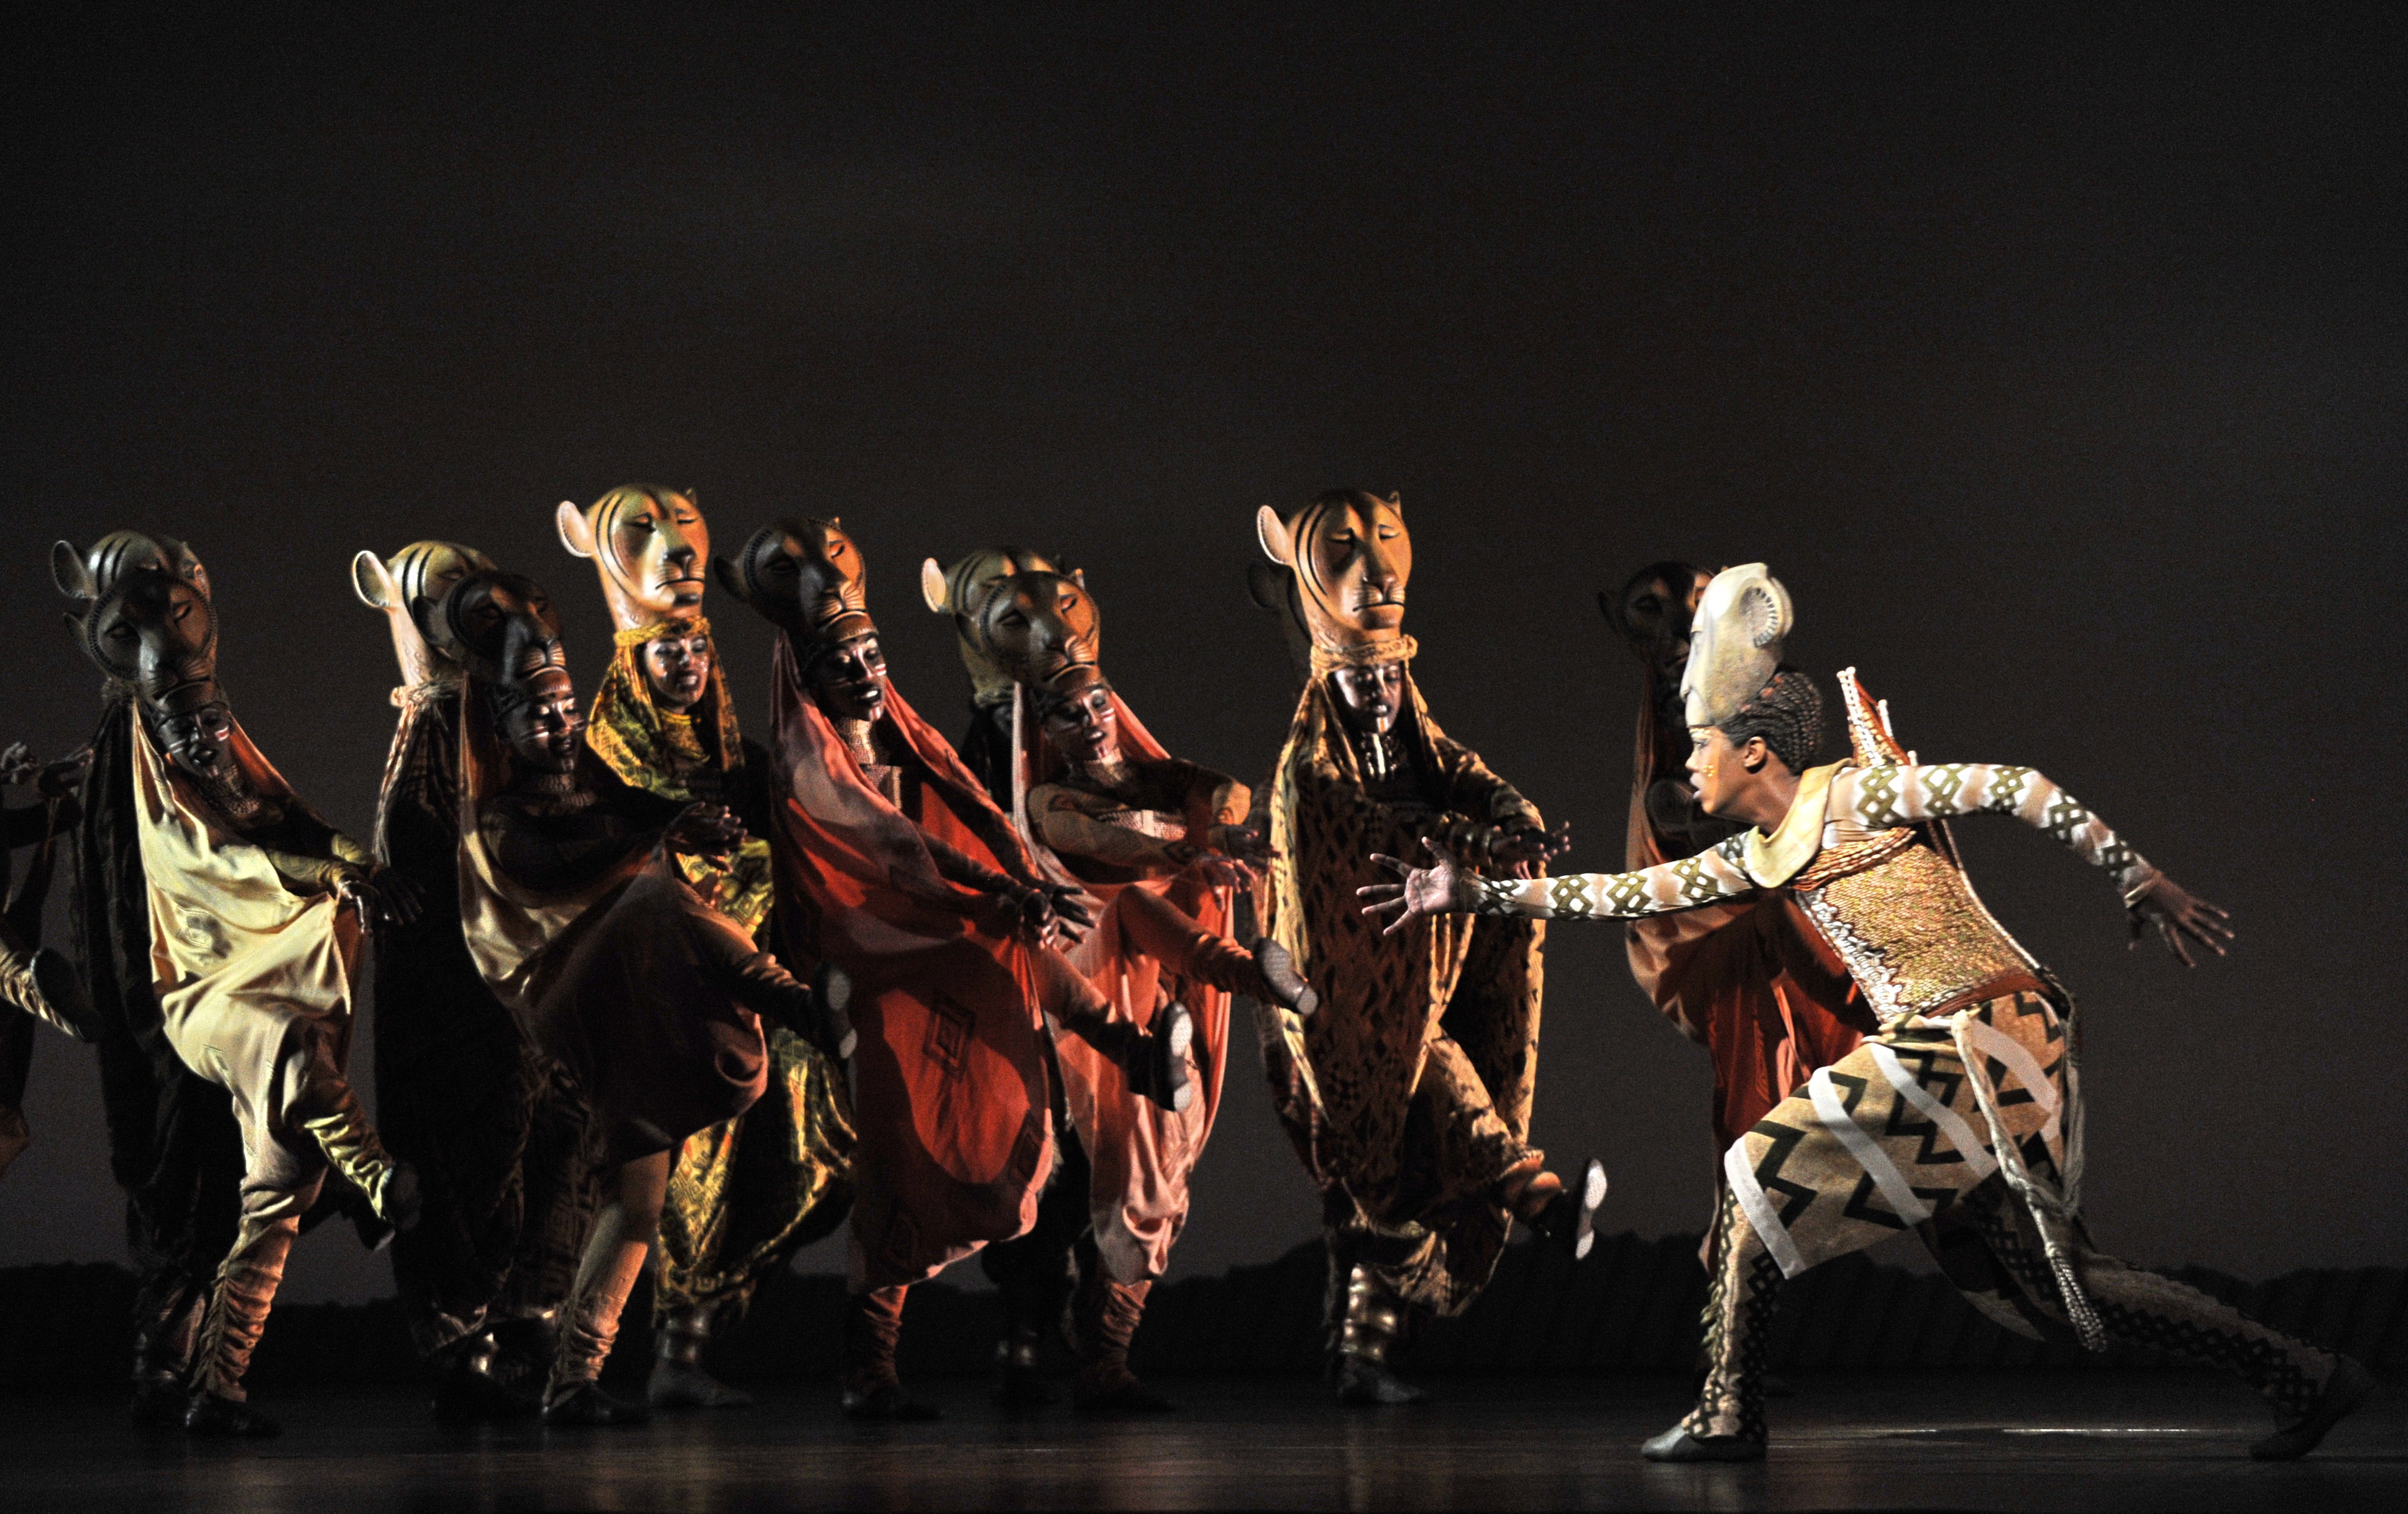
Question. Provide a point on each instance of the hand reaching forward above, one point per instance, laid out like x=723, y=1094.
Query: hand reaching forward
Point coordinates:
x=1440, y=889
x=2175, y=913
x=1522, y=853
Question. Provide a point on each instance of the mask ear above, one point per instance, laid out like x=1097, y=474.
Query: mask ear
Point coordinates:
x=576, y=531
x=932, y=587
x=373, y=582
x=1271, y=532
x=1765, y=615
x=72, y=577
x=724, y=573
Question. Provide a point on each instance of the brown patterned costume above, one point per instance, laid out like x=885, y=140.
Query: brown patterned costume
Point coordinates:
x=1408, y=1095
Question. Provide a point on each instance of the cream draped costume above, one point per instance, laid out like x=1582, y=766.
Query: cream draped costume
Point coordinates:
x=253, y=958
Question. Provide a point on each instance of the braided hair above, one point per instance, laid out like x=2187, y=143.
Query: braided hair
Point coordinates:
x=1787, y=712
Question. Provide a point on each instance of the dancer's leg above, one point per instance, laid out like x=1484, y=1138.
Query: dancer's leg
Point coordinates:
x=605, y=1274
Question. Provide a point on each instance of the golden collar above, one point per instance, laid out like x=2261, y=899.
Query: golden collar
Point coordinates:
x=1773, y=861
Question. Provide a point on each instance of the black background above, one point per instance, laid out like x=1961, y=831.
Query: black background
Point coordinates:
x=2055, y=362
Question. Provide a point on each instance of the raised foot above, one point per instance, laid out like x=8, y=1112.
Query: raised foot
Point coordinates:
x=674, y=1385
x=586, y=1404
x=887, y=1404
x=1678, y=1445
x=1368, y=1382
x=1164, y=1076
x=1569, y=1220
x=1279, y=970
x=2344, y=1391
x=207, y=1414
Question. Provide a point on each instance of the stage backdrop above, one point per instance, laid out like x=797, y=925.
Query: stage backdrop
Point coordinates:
x=2057, y=369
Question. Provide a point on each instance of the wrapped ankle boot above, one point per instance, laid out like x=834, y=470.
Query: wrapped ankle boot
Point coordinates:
x=1107, y=1313
x=1370, y=1328
x=164, y=1334
x=329, y=1113
x=230, y=1330
x=589, y=1325
x=873, y=1324
x=679, y=1380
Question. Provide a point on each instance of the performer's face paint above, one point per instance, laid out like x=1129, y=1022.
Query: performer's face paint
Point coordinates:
x=201, y=741
x=1735, y=780
x=542, y=723
x=849, y=680
x=677, y=668
x=1085, y=728
x=1370, y=697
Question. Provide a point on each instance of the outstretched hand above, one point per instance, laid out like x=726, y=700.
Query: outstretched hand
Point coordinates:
x=1440, y=889
x=1067, y=912
x=2174, y=913
x=1522, y=853
x=53, y=780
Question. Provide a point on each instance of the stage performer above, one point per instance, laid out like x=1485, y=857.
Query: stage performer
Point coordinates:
x=35, y=982
x=248, y=907
x=1750, y=981
x=894, y=864
x=496, y=1133
x=744, y=1194
x=1965, y=1104
x=960, y=592
x=583, y=920
x=1161, y=845
x=1408, y=1095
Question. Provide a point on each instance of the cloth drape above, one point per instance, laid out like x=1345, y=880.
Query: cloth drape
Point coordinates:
x=951, y=1088
x=1141, y=1153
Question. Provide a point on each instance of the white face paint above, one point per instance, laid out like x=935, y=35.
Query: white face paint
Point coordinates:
x=1734, y=642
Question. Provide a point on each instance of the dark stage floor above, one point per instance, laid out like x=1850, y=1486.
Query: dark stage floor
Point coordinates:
x=2025, y=1442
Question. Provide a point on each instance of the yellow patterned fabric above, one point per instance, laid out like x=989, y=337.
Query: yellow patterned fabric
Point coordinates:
x=744, y=1194
x=682, y=758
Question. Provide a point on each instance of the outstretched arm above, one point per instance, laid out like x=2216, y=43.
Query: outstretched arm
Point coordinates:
x=1445, y=887
x=1900, y=794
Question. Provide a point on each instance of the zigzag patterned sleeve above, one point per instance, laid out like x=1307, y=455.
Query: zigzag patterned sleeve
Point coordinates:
x=1879, y=797
x=1707, y=878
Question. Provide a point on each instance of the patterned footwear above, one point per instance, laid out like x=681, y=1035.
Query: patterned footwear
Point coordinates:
x=1370, y=1328
x=1678, y=1445
x=678, y=1379
x=1279, y=970
x=2344, y=1391
x=1165, y=1077
x=1569, y=1220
